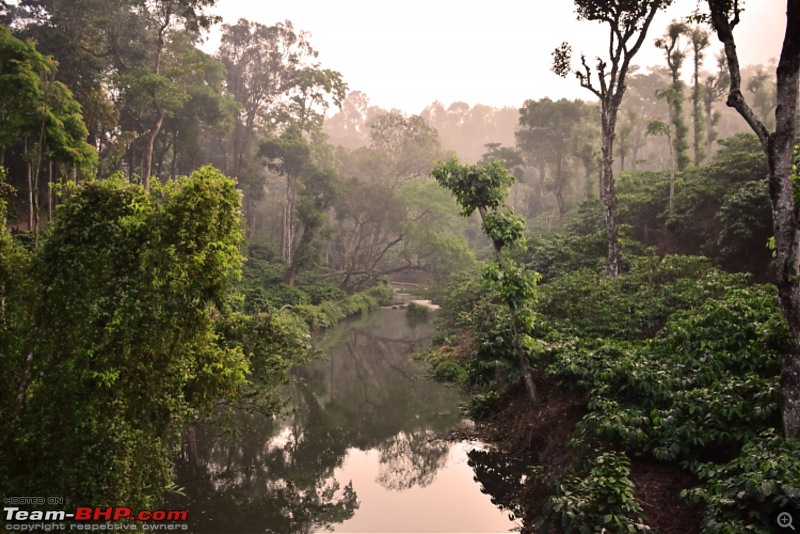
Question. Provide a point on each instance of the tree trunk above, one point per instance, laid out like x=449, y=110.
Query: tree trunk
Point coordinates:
x=151, y=141
x=608, y=193
x=779, y=147
x=697, y=119
x=30, y=194
x=50, y=192
x=671, y=174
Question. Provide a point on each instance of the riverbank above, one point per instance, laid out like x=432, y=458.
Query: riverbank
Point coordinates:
x=330, y=312
x=543, y=435
x=658, y=403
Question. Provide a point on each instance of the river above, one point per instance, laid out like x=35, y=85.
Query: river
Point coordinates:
x=362, y=448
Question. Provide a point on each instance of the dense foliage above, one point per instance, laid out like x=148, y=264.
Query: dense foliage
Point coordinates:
x=677, y=361
x=115, y=345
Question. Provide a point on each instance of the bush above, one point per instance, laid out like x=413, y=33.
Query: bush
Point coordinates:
x=322, y=291
x=328, y=313
x=443, y=365
x=450, y=371
x=746, y=494
x=707, y=382
x=417, y=311
x=603, y=501
x=635, y=305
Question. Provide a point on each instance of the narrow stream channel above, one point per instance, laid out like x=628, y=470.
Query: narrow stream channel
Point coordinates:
x=361, y=450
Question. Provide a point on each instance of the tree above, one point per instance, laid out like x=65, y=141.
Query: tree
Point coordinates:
x=714, y=87
x=191, y=133
x=288, y=155
x=409, y=143
x=657, y=127
x=675, y=55
x=628, y=22
x=780, y=147
x=483, y=188
x=39, y=115
x=273, y=75
x=548, y=130
x=700, y=42
x=314, y=91
x=120, y=345
x=128, y=41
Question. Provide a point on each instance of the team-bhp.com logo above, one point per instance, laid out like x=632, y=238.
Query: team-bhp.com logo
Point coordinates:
x=94, y=518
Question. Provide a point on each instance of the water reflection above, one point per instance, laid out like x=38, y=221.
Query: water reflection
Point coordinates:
x=367, y=403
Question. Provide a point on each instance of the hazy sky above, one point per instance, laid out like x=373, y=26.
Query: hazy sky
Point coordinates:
x=407, y=54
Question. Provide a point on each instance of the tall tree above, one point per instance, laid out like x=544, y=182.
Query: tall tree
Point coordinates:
x=259, y=61
x=628, y=22
x=780, y=146
x=40, y=116
x=290, y=156
x=670, y=43
x=700, y=42
x=714, y=87
x=548, y=129
x=410, y=144
x=657, y=127
x=129, y=40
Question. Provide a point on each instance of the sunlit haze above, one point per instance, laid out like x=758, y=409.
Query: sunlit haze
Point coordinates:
x=407, y=54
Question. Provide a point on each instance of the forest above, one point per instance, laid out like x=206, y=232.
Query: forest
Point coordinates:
x=619, y=276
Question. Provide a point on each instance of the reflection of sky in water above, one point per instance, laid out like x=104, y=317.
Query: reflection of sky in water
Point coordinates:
x=360, y=452
x=451, y=502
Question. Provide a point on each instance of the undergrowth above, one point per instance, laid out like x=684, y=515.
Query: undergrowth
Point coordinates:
x=679, y=362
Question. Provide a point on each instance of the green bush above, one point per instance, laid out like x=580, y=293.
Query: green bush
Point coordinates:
x=635, y=305
x=484, y=403
x=603, y=501
x=417, y=311
x=322, y=291
x=328, y=313
x=747, y=493
x=442, y=365
x=708, y=381
x=450, y=371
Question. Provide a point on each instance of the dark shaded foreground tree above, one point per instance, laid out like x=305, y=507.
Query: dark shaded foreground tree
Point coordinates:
x=628, y=22
x=780, y=147
x=483, y=188
x=112, y=346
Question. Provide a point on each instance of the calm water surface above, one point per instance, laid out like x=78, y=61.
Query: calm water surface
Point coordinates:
x=361, y=449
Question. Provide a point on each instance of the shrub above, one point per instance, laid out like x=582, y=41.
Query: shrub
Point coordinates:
x=708, y=381
x=635, y=305
x=603, y=501
x=746, y=494
x=417, y=311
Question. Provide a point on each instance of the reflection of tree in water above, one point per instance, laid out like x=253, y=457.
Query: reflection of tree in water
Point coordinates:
x=411, y=459
x=278, y=475
x=501, y=477
x=251, y=485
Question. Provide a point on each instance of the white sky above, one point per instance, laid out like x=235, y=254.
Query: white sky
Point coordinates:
x=407, y=54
